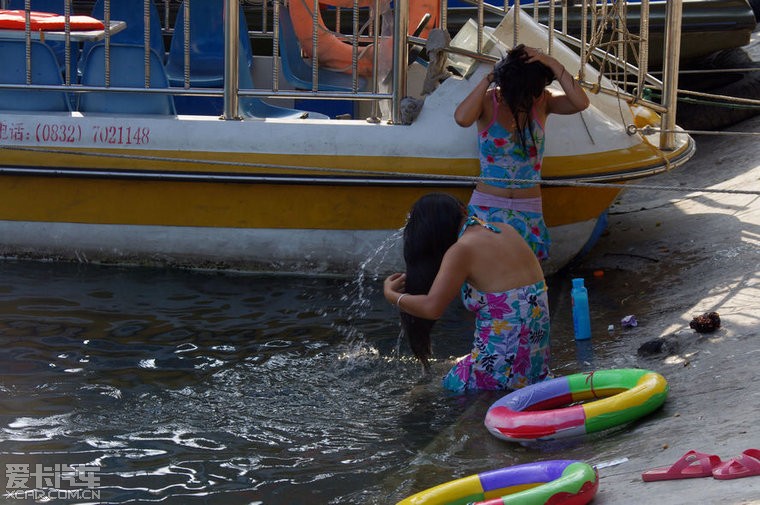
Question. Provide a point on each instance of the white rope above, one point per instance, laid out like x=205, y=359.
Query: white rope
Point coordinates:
x=348, y=171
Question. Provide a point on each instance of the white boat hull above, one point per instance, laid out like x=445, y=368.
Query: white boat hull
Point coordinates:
x=259, y=250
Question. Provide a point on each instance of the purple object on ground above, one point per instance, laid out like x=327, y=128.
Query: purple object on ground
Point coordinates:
x=629, y=321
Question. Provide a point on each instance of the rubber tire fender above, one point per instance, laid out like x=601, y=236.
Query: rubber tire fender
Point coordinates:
x=702, y=116
x=755, y=4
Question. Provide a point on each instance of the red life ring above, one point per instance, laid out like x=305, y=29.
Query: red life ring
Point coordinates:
x=336, y=54
x=46, y=21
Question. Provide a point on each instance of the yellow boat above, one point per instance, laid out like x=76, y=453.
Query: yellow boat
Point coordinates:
x=278, y=192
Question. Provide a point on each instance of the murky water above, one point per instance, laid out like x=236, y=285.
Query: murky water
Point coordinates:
x=186, y=387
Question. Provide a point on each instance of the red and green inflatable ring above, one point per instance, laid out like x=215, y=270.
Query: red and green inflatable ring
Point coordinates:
x=540, y=411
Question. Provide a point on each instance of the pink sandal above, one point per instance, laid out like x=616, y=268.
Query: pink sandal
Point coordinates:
x=745, y=465
x=691, y=465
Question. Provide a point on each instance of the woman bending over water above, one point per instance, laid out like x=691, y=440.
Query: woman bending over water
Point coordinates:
x=498, y=278
x=511, y=118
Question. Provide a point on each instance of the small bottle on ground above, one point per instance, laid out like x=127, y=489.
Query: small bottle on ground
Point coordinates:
x=581, y=315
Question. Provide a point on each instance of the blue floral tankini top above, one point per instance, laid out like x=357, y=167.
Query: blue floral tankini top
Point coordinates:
x=503, y=159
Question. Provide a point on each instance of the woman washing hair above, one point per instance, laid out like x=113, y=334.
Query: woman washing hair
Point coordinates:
x=510, y=119
x=498, y=277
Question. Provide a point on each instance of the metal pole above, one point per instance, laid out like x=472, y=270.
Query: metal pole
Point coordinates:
x=479, y=46
x=516, y=30
x=28, y=39
x=314, y=49
x=671, y=56
x=355, y=46
x=186, y=44
x=231, y=63
x=107, y=23
x=643, y=48
x=275, y=45
x=551, y=26
x=584, y=40
x=400, y=57
x=146, y=40
x=67, y=41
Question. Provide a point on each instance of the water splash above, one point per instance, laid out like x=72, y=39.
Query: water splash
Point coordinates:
x=358, y=293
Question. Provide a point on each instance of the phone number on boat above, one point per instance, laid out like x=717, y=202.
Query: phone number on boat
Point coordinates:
x=60, y=133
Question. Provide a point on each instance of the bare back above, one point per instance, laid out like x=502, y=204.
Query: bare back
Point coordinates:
x=499, y=261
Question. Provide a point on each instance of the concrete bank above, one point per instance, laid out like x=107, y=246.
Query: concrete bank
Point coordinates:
x=700, y=252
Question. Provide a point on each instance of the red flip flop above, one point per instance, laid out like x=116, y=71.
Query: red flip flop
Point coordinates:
x=745, y=465
x=691, y=465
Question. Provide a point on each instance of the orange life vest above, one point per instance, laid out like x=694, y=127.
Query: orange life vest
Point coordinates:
x=336, y=54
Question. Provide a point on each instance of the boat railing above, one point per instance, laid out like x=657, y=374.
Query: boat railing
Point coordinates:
x=604, y=41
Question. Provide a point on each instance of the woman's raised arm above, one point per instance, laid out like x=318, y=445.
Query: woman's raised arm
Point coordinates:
x=472, y=107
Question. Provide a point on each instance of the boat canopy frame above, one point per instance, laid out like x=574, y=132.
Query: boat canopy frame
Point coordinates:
x=231, y=92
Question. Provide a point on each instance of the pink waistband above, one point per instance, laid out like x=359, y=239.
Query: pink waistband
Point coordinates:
x=481, y=199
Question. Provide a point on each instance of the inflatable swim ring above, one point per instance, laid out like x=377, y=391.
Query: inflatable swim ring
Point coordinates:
x=559, y=482
x=533, y=413
x=336, y=54
x=46, y=21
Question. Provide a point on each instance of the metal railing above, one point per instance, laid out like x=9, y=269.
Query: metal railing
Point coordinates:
x=268, y=22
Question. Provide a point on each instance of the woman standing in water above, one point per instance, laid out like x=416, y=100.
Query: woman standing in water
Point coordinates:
x=499, y=278
x=510, y=119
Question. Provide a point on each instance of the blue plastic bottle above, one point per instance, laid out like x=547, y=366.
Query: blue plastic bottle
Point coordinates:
x=581, y=316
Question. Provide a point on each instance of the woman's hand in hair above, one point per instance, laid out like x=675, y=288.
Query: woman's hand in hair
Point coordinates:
x=574, y=98
x=394, y=286
x=535, y=54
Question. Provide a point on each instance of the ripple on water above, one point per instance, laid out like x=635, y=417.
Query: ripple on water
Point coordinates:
x=187, y=387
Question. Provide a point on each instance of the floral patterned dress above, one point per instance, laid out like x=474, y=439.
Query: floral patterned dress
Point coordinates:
x=511, y=347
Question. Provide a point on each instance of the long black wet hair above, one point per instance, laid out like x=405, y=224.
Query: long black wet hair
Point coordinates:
x=432, y=227
x=520, y=84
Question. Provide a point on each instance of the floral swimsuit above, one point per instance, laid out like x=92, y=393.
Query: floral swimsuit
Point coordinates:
x=502, y=161
x=511, y=347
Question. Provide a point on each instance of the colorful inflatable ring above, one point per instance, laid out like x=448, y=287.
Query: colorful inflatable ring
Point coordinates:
x=533, y=413
x=559, y=482
x=334, y=53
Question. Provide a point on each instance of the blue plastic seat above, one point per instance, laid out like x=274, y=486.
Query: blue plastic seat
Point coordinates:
x=131, y=12
x=298, y=72
x=207, y=64
x=252, y=107
x=127, y=71
x=249, y=107
x=58, y=47
x=206, y=44
x=45, y=71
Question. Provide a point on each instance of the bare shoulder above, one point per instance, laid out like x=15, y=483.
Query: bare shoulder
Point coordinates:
x=457, y=260
x=475, y=238
x=511, y=241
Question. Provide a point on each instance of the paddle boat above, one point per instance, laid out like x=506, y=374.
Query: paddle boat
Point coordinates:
x=224, y=152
